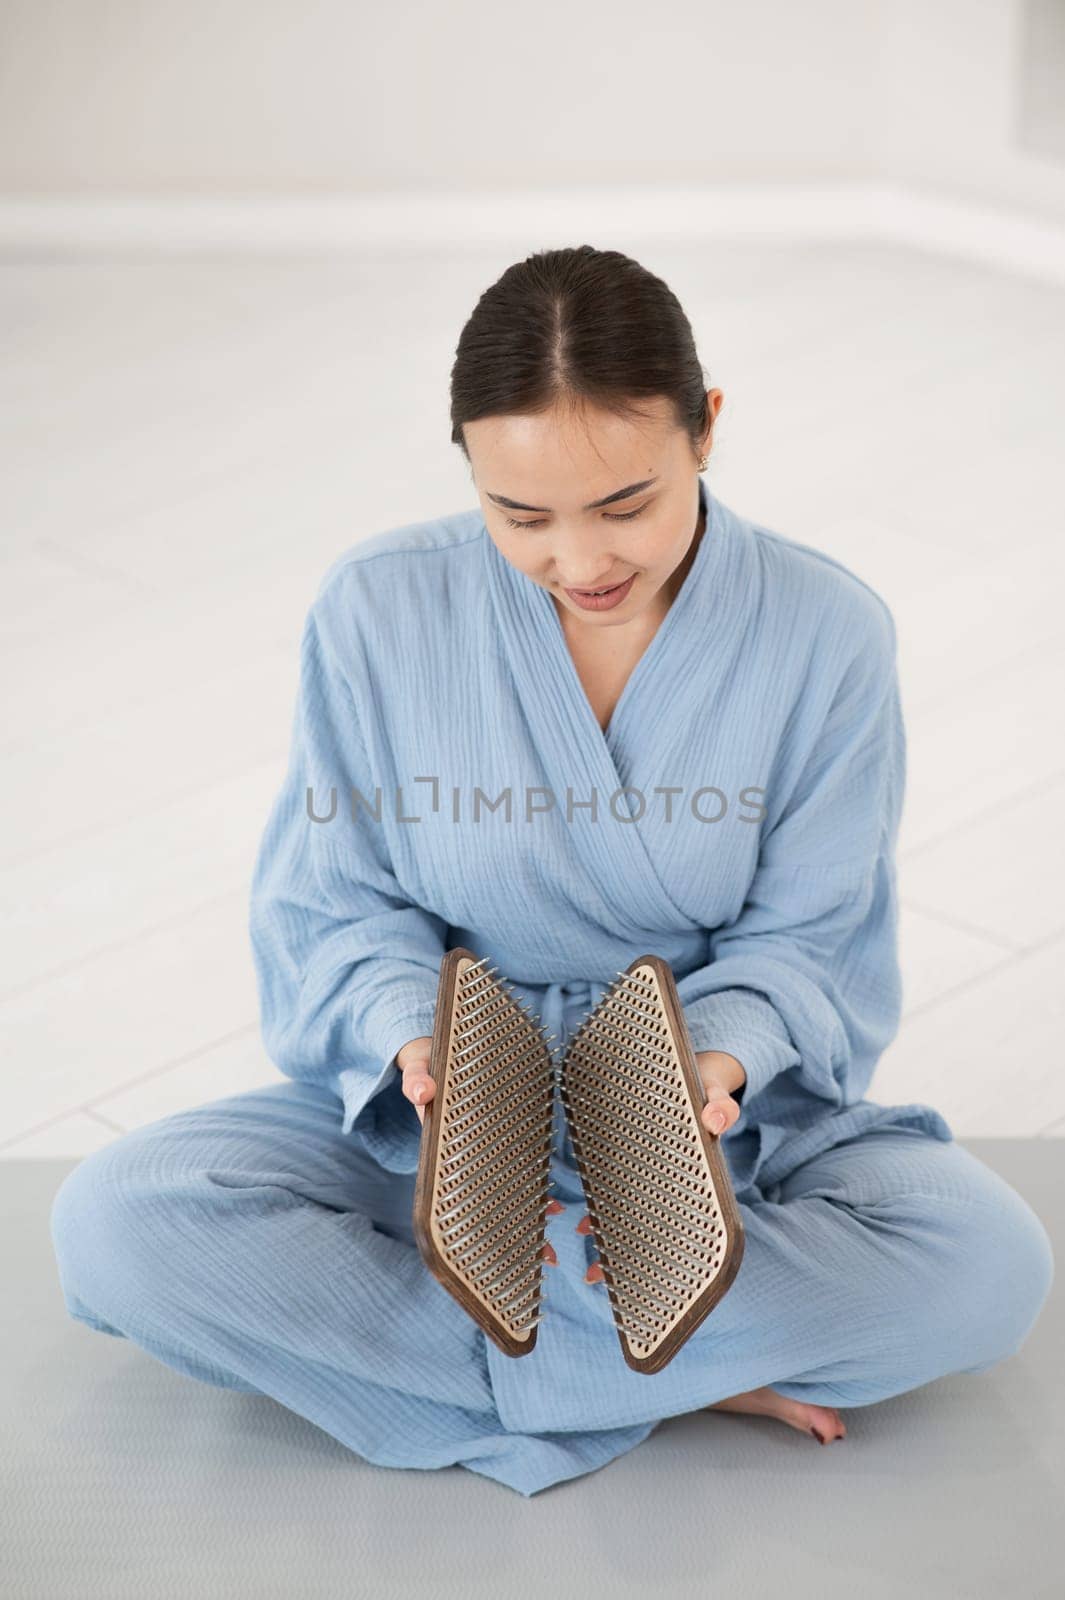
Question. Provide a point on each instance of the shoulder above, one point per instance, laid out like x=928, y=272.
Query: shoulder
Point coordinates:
x=402, y=555
x=835, y=613
x=399, y=581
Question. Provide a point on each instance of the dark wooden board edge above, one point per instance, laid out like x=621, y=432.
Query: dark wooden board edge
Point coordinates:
x=427, y=1165
x=730, y=1211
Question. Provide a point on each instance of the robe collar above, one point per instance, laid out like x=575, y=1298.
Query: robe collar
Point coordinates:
x=695, y=624
x=684, y=659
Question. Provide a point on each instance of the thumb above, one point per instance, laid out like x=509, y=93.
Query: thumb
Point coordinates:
x=720, y=1110
x=419, y=1086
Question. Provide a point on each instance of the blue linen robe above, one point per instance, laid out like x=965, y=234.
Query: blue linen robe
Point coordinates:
x=738, y=817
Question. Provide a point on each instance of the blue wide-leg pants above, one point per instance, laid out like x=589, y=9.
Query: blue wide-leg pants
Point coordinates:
x=251, y=1244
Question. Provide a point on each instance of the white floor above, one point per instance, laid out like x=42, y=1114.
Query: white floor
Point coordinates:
x=189, y=444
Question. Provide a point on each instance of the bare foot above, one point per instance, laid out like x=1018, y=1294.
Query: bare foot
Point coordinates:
x=824, y=1422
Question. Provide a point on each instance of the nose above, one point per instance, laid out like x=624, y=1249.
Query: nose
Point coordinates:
x=590, y=573
x=596, y=577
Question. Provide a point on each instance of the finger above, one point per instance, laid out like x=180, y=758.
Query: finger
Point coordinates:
x=554, y=1207
x=594, y=1274
x=717, y=1114
x=549, y=1254
x=418, y=1086
x=419, y=1089
x=585, y=1224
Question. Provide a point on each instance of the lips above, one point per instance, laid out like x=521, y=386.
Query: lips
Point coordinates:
x=589, y=600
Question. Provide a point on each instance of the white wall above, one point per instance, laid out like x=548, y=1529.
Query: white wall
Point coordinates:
x=203, y=97
x=950, y=87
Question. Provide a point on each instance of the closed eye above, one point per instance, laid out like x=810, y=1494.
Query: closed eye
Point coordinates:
x=616, y=516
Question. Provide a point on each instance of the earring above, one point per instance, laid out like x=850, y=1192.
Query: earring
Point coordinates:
x=704, y=463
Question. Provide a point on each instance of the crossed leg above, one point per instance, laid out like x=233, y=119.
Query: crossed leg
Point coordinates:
x=250, y=1244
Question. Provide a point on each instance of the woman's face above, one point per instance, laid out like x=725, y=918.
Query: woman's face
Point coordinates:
x=539, y=479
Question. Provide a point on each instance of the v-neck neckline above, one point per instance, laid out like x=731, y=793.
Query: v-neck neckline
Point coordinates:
x=572, y=753
x=552, y=625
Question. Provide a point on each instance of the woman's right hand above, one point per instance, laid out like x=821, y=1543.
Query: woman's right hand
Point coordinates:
x=419, y=1088
x=413, y=1062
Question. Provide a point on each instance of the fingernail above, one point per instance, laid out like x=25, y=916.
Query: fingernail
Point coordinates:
x=419, y=1093
x=818, y=1435
x=717, y=1122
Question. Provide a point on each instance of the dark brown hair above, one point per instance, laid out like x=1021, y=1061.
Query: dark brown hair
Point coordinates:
x=569, y=327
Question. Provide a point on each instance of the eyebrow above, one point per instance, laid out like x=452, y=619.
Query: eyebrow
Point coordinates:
x=607, y=500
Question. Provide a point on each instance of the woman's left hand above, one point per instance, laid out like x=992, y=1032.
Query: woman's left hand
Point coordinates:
x=721, y=1075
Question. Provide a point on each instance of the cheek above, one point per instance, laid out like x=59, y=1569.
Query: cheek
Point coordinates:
x=525, y=559
x=649, y=554
x=517, y=553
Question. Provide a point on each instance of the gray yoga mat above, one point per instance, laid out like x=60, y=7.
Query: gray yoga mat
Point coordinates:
x=123, y=1479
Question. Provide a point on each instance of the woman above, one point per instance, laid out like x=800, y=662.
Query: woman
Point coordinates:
x=706, y=762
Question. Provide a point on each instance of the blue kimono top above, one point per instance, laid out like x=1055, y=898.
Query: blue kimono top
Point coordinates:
x=449, y=784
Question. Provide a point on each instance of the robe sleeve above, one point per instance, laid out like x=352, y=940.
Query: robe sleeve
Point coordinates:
x=803, y=987
x=346, y=966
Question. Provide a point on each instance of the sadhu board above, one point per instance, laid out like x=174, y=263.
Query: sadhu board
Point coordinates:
x=667, y=1229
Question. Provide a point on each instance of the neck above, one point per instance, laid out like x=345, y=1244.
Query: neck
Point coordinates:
x=675, y=581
